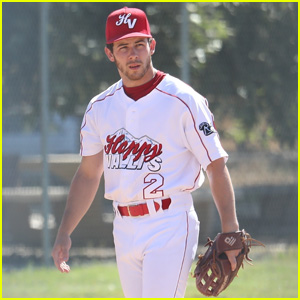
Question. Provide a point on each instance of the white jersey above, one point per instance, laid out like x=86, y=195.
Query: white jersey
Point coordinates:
x=154, y=147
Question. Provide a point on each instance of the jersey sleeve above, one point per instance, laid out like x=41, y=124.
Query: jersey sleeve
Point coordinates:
x=90, y=142
x=201, y=134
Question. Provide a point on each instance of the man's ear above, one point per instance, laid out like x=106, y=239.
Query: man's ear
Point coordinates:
x=152, y=46
x=109, y=54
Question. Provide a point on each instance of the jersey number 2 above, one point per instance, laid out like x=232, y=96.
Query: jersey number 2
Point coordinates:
x=155, y=181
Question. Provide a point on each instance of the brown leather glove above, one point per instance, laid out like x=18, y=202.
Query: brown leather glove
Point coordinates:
x=213, y=271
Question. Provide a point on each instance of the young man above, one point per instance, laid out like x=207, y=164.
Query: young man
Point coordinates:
x=152, y=135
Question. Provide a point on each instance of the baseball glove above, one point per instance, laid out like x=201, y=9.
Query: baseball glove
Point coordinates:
x=213, y=271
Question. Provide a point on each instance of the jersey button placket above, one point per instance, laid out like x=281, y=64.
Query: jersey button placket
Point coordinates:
x=132, y=121
x=132, y=128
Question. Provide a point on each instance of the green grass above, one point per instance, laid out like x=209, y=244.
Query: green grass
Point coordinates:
x=98, y=280
x=272, y=276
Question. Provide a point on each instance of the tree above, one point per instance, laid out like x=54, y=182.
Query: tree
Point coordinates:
x=253, y=78
x=243, y=58
x=20, y=91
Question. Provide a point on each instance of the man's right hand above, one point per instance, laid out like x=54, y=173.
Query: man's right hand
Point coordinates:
x=60, y=252
x=84, y=185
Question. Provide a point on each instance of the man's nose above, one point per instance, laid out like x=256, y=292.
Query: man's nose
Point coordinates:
x=133, y=52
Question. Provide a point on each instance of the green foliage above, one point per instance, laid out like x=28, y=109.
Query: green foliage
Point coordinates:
x=253, y=78
x=20, y=91
x=243, y=58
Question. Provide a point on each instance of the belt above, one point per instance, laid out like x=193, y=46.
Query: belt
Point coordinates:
x=142, y=209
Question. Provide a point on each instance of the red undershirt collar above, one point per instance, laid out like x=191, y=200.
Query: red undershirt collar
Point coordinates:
x=138, y=92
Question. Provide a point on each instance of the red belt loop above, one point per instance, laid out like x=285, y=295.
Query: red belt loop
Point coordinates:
x=166, y=203
x=142, y=209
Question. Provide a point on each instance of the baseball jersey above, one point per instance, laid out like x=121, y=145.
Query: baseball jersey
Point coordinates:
x=155, y=147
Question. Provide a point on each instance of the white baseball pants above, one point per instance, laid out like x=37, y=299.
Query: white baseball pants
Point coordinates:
x=155, y=252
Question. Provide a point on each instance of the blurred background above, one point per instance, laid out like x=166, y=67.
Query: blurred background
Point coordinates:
x=243, y=57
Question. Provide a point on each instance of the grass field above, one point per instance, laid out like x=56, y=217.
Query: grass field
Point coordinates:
x=274, y=275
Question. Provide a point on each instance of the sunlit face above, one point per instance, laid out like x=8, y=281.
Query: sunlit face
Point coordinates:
x=132, y=57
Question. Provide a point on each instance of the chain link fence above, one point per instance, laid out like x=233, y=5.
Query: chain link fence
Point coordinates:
x=265, y=178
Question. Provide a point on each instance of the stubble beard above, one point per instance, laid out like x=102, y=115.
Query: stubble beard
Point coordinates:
x=130, y=74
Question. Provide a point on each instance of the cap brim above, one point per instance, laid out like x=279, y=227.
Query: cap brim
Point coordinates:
x=130, y=35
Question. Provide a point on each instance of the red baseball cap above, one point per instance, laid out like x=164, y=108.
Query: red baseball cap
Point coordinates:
x=125, y=23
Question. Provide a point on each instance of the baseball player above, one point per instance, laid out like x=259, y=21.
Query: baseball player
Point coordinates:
x=153, y=136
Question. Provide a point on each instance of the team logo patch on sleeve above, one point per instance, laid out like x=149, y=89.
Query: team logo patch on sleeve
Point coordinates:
x=207, y=128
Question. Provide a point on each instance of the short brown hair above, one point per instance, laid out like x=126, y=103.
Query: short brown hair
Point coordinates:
x=110, y=47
